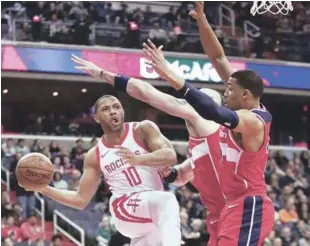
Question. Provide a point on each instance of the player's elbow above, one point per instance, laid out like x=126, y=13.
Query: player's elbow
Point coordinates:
x=81, y=203
x=139, y=90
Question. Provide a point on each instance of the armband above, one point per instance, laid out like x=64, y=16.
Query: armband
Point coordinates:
x=121, y=82
x=172, y=176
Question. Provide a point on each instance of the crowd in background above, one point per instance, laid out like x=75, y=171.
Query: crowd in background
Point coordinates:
x=287, y=176
x=101, y=23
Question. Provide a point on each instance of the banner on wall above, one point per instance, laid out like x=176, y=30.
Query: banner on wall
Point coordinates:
x=51, y=60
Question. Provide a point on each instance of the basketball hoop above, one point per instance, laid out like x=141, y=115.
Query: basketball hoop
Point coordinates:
x=274, y=7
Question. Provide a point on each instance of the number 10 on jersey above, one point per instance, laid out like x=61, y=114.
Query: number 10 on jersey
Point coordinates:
x=132, y=176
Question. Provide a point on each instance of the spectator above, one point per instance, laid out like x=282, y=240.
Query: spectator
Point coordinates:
x=9, y=230
x=277, y=242
x=17, y=212
x=158, y=35
x=122, y=16
x=55, y=27
x=77, y=11
x=149, y=16
x=9, y=151
x=54, y=148
x=57, y=165
x=39, y=242
x=93, y=143
x=73, y=183
x=6, y=204
x=68, y=167
x=31, y=230
x=8, y=242
x=81, y=31
x=288, y=214
x=77, y=152
x=109, y=13
x=36, y=146
x=21, y=147
x=104, y=231
x=284, y=25
x=170, y=16
x=58, y=182
x=287, y=238
x=138, y=16
x=57, y=240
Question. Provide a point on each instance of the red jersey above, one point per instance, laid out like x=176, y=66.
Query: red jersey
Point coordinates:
x=243, y=172
x=206, y=156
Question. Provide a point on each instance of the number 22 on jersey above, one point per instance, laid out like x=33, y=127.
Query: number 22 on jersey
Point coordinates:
x=132, y=176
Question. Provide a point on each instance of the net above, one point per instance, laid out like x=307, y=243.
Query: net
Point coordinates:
x=273, y=7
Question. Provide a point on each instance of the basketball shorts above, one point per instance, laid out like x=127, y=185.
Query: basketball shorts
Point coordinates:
x=149, y=218
x=246, y=221
x=212, y=228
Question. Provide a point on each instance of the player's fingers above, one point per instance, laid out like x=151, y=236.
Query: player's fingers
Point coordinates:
x=160, y=48
x=80, y=68
x=193, y=14
x=147, y=53
x=78, y=61
x=150, y=50
x=152, y=45
x=78, y=58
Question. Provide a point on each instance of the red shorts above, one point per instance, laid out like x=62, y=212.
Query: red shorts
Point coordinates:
x=212, y=227
x=246, y=221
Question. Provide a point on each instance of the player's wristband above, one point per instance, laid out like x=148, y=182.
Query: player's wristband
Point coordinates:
x=121, y=82
x=183, y=91
x=172, y=176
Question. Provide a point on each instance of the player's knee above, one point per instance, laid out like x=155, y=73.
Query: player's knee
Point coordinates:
x=171, y=202
x=162, y=205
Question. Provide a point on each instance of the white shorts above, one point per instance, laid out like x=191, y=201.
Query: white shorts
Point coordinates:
x=149, y=218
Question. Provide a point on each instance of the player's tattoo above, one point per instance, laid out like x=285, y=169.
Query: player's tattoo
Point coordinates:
x=179, y=101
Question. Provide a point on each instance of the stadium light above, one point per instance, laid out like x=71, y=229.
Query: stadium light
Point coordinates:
x=84, y=90
x=55, y=93
x=5, y=91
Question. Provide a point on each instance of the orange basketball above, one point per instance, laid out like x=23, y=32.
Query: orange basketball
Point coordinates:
x=34, y=171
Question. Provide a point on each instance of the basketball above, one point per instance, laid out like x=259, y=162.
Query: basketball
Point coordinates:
x=34, y=171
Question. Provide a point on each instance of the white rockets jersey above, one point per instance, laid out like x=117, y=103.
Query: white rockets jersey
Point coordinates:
x=125, y=178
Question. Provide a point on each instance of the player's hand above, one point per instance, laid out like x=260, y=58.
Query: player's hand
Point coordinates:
x=87, y=67
x=165, y=171
x=33, y=190
x=157, y=58
x=128, y=156
x=198, y=12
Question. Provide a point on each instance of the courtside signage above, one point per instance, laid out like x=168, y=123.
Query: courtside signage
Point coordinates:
x=51, y=60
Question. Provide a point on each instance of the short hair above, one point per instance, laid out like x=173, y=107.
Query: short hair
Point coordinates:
x=251, y=81
x=99, y=99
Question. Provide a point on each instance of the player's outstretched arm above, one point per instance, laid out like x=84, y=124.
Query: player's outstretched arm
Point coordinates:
x=141, y=90
x=88, y=185
x=212, y=47
x=243, y=121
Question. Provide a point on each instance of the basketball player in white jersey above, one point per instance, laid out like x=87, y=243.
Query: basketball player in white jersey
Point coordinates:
x=129, y=155
x=203, y=167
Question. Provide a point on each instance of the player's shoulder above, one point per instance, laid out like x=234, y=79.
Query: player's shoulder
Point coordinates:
x=263, y=114
x=144, y=125
x=91, y=157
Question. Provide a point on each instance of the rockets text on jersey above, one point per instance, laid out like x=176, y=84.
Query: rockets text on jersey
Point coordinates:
x=125, y=178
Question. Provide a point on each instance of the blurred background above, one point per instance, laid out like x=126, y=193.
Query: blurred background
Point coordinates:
x=47, y=105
